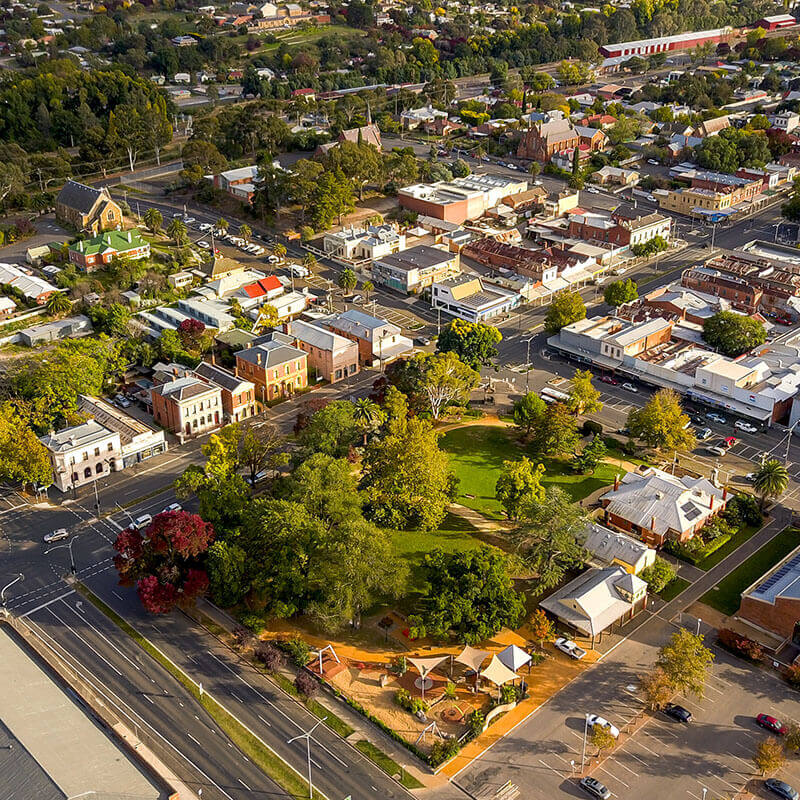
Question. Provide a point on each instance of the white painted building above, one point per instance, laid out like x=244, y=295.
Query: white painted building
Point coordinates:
x=466, y=296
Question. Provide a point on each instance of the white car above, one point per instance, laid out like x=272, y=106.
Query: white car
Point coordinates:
x=273, y=260
x=189, y=220
x=745, y=426
x=56, y=535
x=714, y=417
x=629, y=387
x=570, y=648
x=172, y=507
x=142, y=522
x=651, y=198
x=592, y=190
x=176, y=215
x=717, y=451
x=595, y=721
x=204, y=245
x=652, y=161
x=205, y=226
x=299, y=271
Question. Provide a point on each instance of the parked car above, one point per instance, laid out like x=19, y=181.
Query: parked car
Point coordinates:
x=629, y=387
x=121, y=401
x=678, y=712
x=714, y=417
x=717, y=450
x=142, y=522
x=729, y=441
x=784, y=320
x=172, y=507
x=600, y=722
x=56, y=535
x=745, y=426
x=205, y=226
x=204, y=245
x=705, y=433
x=570, y=648
x=356, y=299
x=594, y=788
x=422, y=341
x=592, y=190
x=781, y=788
x=771, y=724
x=750, y=477
x=609, y=380
x=651, y=198
x=299, y=271
x=273, y=260
x=189, y=220
x=652, y=161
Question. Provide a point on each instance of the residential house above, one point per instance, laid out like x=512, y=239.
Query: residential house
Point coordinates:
x=138, y=442
x=657, y=506
x=468, y=297
x=7, y=307
x=33, y=288
x=355, y=244
x=99, y=251
x=238, y=395
x=712, y=127
x=413, y=118
x=56, y=329
x=366, y=134
x=275, y=365
x=597, y=600
x=379, y=341
x=612, y=548
x=239, y=183
x=415, y=269
x=82, y=454
x=786, y=121
x=616, y=175
x=187, y=406
x=87, y=209
x=331, y=356
x=592, y=138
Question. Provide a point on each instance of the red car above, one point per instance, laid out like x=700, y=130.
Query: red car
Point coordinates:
x=609, y=379
x=784, y=320
x=771, y=724
x=730, y=441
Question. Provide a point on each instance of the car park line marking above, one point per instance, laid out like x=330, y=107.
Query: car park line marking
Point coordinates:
x=748, y=763
x=620, y=764
x=727, y=783
x=613, y=777
x=552, y=769
x=633, y=755
x=661, y=729
x=696, y=797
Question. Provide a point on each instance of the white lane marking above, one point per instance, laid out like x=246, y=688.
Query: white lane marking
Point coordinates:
x=244, y=784
x=194, y=740
x=49, y=602
x=614, y=777
x=77, y=635
x=553, y=769
x=268, y=724
x=104, y=637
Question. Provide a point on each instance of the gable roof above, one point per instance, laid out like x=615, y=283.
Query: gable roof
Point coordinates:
x=184, y=388
x=80, y=197
x=210, y=373
x=263, y=286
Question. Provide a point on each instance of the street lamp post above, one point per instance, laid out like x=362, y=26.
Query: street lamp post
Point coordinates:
x=698, y=626
x=528, y=361
x=20, y=577
x=72, y=568
x=585, y=735
x=307, y=737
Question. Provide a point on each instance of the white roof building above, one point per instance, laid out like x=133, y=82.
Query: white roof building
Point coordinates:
x=612, y=548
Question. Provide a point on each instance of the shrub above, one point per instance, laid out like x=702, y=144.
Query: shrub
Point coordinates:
x=743, y=509
x=658, y=575
x=296, y=649
x=508, y=693
x=793, y=676
x=443, y=750
x=475, y=722
x=402, y=698
x=417, y=705
x=306, y=683
x=740, y=645
x=629, y=448
x=269, y=656
x=252, y=621
x=243, y=636
x=592, y=428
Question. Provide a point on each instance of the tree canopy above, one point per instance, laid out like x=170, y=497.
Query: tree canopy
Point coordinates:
x=565, y=308
x=733, y=334
x=475, y=343
x=620, y=292
x=519, y=485
x=662, y=423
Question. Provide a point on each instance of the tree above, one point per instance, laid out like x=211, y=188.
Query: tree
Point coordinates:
x=258, y=447
x=770, y=481
x=227, y=573
x=733, y=334
x=58, y=304
x=470, y=594
x=602, y=738
x=657, y=688
x=620, y=292
x=549, y=537
x=443, y=380
x=686, y=661
x=23, y=457
x=528, y=411
x=541, y=627
x=566, y=308
x=769, y=756
x=658, y=575
x=473, y=342
x=368, y=415
x=279, y=250
x=164, y=563
x=190, y=333
x=519, y=484
x=368, y=288
x=791, y=739
x=245, y=232
x=583, y=397
x=177, y=231
x=588, y=460
x=406, y=477
x=331, y=430
x=557, y=433
x=153, y=219
x=662, y=423
x=348, y=280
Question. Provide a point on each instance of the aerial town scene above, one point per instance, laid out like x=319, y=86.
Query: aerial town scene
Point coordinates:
x=399, y=400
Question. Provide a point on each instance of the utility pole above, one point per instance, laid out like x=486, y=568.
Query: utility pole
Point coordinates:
x=72, y=568
x=585, y=735
x=307, y=737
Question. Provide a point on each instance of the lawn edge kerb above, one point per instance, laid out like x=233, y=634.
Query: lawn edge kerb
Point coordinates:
x=387, y=764
x=251, y=745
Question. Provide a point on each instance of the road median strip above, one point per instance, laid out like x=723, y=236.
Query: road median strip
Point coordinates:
x=258, y=751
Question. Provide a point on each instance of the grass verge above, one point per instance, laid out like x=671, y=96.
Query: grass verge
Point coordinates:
x=388, y=765
x=736, y=541
x=270, y=763
x=335, y=723
x=726, y=595
x=673, y=589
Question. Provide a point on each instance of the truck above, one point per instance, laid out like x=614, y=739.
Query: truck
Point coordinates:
x=570, y=648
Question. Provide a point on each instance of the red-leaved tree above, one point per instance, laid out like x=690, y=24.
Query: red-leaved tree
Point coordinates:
x=165, y=563
x=190, y=332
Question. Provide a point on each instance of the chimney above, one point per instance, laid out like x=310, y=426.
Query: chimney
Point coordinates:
x=724, y=492
x=130, y=240
x=616, y=482
x=711, y=501
x=653, y=523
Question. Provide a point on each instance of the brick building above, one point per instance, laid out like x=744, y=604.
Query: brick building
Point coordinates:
x=274, y=365
x=91, y=254
x=773, y=601
x=543, y=139
x=187, y=406
x=333, y=357
x=238, y=395
x=87, y=209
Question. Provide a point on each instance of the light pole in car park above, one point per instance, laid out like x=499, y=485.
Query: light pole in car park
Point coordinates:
x=585, y=736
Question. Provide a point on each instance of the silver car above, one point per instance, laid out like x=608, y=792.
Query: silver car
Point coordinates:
x=56, y=535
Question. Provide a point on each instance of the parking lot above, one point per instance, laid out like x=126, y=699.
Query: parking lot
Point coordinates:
x=662, y=758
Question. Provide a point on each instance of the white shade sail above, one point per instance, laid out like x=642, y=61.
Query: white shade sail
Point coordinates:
x=472, y=657
x=425, y=665
x=498, y=673
x=514, y=657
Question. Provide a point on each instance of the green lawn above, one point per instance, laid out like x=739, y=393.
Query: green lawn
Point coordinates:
x=736, y=541
x=673, y=589
x=726, y=595
x=477, y=454
x=454, y=534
